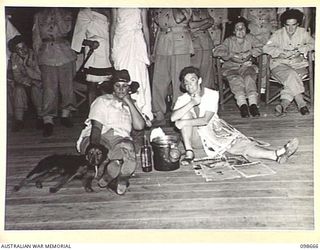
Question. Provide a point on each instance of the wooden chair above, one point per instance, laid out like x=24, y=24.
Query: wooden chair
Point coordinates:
x=307, y=80
x=225, y=93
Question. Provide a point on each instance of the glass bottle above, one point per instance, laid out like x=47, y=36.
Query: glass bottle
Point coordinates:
x=146, y=156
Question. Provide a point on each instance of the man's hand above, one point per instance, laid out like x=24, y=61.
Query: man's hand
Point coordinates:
x=96, y=154
x=282, y=56
x=94, y=45
x=295, y=54
x=36, y=83
x=246, y=56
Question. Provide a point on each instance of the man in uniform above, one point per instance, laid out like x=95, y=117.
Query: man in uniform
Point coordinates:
x=199, y=24
x=172, y=50
x=262, y=23
x=57, y=64
x=26, y=79
x=288, y=48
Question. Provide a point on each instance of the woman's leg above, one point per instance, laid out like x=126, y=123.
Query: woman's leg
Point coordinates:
x=249, y=75
x=187, y=132
x=236, y=83
x=249, y=148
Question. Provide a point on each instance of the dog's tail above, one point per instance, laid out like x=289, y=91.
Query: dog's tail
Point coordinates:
x=16, y=188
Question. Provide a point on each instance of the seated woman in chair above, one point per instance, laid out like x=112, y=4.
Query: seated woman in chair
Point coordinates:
x=288, y=48
x=195, y=114
x=237, y=52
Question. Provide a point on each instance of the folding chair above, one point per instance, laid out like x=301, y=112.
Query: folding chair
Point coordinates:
x=307, y=79
x=225, y=93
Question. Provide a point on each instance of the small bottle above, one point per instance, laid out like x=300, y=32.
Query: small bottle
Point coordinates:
x=146, y=156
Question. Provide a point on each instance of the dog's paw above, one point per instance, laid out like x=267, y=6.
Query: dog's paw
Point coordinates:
x=89, y=189
x=53, y=190
x=16, y=188
x=39, y=184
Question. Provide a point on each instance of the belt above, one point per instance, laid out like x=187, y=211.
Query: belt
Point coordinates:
x=98, y=71
x=54, y=39
x=199, y=32
x=174, y=29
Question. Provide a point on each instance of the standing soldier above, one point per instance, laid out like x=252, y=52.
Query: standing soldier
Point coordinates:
x=57, y=64
x=199, y=24
x=218, y=30
x=11, y=32
x=262, y=23
x=172, y=50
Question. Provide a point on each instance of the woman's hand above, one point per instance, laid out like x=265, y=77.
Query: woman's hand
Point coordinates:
x=180, y=124
x=195, y=99
x=127, y=99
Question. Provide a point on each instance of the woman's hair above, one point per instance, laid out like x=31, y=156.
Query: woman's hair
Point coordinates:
x=14, y=42
x=188, y=70
x=184, y=72
x=240, y=19
x=291, y=14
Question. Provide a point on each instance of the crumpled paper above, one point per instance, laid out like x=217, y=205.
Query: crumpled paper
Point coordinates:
x=157, y=132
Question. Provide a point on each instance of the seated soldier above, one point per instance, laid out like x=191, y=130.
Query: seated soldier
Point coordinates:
x=111, y=119
x=195, y=114
x=27, y=80
x=237, y=51
x=288, y=48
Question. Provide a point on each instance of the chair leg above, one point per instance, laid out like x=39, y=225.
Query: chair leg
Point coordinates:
x=311, y=80
x=220, y=84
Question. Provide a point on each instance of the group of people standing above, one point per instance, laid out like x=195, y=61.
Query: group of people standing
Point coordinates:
x=132, y=39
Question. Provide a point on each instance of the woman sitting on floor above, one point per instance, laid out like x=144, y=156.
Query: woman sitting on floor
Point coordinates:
x=195, y=114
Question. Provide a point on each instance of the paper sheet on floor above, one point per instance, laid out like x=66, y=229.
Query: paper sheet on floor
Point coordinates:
x=230, y=167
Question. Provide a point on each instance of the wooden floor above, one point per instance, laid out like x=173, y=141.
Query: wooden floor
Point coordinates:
x=169, y=200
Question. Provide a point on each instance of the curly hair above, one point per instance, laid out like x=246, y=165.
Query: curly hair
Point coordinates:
x=184, y=72
x=291, y=14
x=12, y=43
x=240, y=19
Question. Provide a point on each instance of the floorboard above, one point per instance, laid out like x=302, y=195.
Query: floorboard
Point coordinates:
x=169, y=200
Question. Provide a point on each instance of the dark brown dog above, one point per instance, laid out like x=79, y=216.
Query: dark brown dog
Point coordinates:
x=66, y=168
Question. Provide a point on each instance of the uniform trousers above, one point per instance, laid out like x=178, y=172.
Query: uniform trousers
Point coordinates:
x=292, y=83
x=167, y=69
x=57, y=79
x=202, y=59
x=20, y=99
x=243, y=85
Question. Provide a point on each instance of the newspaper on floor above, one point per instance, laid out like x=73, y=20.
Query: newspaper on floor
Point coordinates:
x=229, y=167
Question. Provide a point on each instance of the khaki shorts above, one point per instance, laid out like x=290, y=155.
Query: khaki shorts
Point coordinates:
x=120, y=148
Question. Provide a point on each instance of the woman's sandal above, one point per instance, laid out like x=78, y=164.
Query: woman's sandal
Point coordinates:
x=188, y=159
x=280, y=111
x=105, y=179
x=289, y=149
